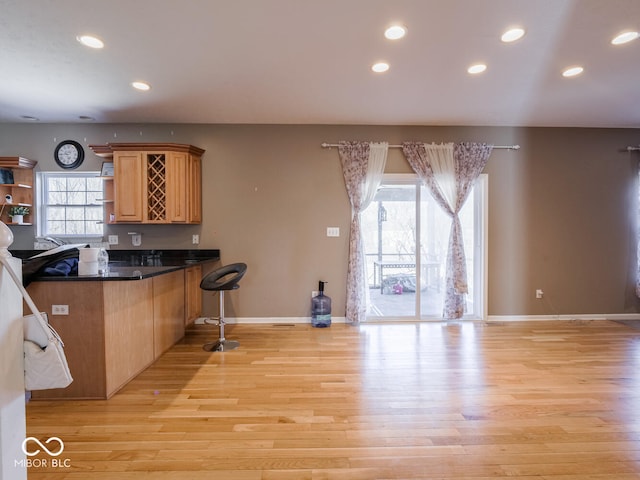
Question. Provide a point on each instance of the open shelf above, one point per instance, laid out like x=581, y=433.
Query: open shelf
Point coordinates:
x=20, y=191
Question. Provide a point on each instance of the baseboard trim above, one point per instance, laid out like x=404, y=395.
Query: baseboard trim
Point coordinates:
x=547, y=318
x=271, y=320
x=490, y=318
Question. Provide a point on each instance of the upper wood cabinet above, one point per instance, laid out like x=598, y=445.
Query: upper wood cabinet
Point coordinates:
x=195, y=194
x=155, y=183
x=128, y=186
x=19, y=187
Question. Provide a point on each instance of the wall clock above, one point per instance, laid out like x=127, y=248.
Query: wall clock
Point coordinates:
x=69, y=154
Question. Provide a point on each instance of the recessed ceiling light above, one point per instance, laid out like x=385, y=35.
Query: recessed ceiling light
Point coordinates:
x=512, y=35
x=625, y=37
x=477, y=68
x=572, y=71
x=394, y=32
x=90, y=41
x=144, y=86
x=380, y=67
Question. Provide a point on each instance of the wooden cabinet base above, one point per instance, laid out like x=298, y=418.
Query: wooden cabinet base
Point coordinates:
x=168, y=308
x=128, y=328
x=114, y=330
x=192, y=293
x=82, y=332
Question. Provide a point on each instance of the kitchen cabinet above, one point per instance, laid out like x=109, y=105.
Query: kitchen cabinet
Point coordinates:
x=20, y=188
x=114, y=329
x=108, y=333
x=128, y=182
x=168, y=311
x=192, y=293
x=194, y=165
x=155, y=183
x=120, y=323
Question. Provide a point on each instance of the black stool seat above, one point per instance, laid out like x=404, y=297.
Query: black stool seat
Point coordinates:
x=220, y=280
x=224, y=278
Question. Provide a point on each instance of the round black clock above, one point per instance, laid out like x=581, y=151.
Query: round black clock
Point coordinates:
x=69, y=154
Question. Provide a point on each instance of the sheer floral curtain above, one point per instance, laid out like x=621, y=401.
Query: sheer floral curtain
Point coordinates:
x=449, y=171
x=638, y=238
x=362, y=166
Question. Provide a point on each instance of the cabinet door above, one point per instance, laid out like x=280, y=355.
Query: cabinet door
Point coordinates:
x=194, y=183
x=129, y=180
x=168, y=310
x=177, y=187
x=192, y=293
x=128, y=330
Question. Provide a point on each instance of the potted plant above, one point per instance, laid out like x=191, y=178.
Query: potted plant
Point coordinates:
x=17, y=213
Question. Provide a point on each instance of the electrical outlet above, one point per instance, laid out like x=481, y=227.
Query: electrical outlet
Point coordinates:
x=539, y=293
x=59, y=309
x=113, y=239
x=195, y=239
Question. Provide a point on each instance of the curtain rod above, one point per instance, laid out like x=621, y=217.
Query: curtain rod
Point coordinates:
x=502, y=147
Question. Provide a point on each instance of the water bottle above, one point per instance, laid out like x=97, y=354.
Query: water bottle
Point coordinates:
x=320, y=308
x=103, y=262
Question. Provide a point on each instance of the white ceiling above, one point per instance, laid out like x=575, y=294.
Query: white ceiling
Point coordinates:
x=308, y=62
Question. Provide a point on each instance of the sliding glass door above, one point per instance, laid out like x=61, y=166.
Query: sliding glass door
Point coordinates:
x=390, y=232
x=406, y=237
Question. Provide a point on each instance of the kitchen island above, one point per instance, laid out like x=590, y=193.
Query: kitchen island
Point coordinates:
x=114, y=326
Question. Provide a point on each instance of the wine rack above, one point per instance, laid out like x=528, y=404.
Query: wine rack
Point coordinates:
x=156, y=187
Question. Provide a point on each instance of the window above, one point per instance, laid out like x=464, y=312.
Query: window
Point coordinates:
x=406, y=281
x=70, y=204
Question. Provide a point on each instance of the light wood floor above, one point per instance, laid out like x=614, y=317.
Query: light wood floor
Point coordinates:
x=540, y=400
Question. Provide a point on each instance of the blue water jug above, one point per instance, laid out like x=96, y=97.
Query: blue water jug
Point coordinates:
x=320, y=308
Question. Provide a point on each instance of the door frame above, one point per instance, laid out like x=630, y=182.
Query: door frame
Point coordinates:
x=480, y=245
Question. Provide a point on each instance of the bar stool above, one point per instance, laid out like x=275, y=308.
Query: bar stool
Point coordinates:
x=220, y=280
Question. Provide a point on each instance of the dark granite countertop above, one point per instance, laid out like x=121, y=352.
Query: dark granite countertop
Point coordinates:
x=133, y=264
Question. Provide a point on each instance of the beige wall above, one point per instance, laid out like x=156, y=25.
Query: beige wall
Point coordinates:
x=562, y=210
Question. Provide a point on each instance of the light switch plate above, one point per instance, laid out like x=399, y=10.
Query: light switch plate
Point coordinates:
x=136, y=238
x=113, y=240
x=333, y=231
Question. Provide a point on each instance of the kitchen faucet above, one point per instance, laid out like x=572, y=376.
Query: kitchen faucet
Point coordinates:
x=55, y=241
